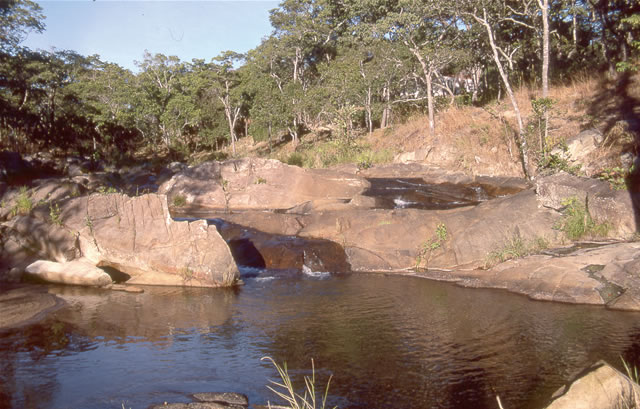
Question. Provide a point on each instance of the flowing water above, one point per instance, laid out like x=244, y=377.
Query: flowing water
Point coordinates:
x=389, y=341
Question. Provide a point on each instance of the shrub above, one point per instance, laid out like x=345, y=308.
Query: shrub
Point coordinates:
x=577, y=222
x=295, y=159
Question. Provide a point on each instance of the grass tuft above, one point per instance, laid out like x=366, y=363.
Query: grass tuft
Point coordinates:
x=514, y=248
x=285, y=389
x=577, y=222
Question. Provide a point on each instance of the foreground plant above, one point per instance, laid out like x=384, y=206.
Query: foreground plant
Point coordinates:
x=632, y=371
x=294, y=400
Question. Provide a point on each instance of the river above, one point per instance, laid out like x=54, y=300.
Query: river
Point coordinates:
x=389, y=341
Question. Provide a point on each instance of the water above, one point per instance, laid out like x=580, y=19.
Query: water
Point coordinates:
x=389, y=341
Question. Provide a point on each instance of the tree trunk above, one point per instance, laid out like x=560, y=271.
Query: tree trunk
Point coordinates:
x=520, y=139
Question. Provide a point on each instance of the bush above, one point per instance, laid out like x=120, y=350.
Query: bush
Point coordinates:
x=577, y=222
x=295, y=159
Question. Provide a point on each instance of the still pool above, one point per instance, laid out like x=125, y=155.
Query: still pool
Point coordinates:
x=389, y=341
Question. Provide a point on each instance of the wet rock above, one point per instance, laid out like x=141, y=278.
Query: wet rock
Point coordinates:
x=599, y=387
x=76, y=272
x=126, y=288
x=23, y=305
x=257, y=249
x=228, y=398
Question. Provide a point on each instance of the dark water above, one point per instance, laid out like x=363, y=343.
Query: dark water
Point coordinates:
x=415, y=193
x=389, y=342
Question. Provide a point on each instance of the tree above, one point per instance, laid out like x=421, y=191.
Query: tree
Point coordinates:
x=486, y=13
x=17, y=18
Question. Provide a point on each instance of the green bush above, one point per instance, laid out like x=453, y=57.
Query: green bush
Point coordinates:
x=577, y=223
x=295, y=159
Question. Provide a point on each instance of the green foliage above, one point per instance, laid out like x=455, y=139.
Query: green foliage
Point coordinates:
x=54, y=214
x=295, y=159
x=435, y=242
x=23, y=204
x=577, y=222
x=556, y=163
x=633, y=22
x=105, y=190
x=514, y=248
x=616, y=176
x=295, y=400
x=179, y=200
x=260, y=181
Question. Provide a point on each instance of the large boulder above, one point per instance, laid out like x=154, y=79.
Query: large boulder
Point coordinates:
x=614, y=207
x=599, y=387
x=135, y=235
x=76, y=272
x=254, y=183
x=579, y=148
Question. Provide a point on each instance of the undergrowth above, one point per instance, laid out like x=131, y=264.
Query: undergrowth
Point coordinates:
x=514, y=248
x=577, y=223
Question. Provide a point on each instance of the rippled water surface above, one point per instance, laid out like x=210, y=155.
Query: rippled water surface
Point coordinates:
x=388, y=341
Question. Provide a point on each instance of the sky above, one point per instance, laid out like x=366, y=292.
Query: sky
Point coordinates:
x=120, y=31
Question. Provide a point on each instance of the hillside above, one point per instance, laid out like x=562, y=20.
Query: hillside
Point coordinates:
x=480, y=140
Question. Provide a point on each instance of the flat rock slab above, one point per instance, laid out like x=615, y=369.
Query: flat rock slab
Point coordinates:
x=604, y=275
x=76, y=272
x=24, y=305
x=229, y=398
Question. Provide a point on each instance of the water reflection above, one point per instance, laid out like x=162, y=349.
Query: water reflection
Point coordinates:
x=389, y=342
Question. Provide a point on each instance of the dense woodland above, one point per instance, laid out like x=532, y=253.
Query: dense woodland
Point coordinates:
x=345, y=66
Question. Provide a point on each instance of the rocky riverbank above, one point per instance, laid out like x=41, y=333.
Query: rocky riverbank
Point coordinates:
x=207, y=219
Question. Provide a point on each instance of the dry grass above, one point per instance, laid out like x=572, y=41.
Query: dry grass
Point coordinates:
x=480, y=140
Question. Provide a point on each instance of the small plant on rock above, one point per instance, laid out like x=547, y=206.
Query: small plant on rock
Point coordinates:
x=515, y=247
x=105, y=190
x=617, y=177
x=179, y=201
x=261, y=181
x=577, y=222
x=24, y=204
x=54, y=214
x=435, y=242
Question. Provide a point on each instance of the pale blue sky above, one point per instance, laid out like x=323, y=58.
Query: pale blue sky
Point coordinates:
x=120, y=31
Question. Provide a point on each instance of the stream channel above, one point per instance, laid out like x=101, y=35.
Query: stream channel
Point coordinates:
x=389, y=342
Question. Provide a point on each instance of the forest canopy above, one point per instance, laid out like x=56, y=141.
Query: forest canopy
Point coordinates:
x=348, y=66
